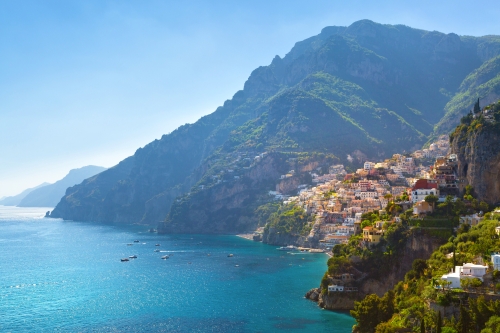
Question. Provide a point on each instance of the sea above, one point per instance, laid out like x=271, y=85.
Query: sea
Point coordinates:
x=66, y=276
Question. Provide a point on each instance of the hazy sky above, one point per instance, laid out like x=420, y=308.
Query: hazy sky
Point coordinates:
x=89, y=82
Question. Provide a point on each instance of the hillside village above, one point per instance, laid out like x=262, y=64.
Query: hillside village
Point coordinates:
x=339, y=199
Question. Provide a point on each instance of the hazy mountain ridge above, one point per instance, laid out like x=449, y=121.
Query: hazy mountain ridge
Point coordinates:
x=49, y=195
x=16, y=199
x=375, y=88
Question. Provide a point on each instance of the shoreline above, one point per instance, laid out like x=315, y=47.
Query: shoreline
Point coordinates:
x=245, y=236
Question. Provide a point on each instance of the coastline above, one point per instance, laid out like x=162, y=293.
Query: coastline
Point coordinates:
x=245, y=236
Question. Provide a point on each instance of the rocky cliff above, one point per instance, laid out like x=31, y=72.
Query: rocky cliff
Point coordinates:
x=419, y=245
x=228, y=205
x=476, y=143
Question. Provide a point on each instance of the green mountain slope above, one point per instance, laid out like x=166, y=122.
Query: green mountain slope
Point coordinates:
x=482, y=83
x=368, y=88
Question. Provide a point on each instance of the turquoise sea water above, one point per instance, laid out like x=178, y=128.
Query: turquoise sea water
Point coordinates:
x=58, y=276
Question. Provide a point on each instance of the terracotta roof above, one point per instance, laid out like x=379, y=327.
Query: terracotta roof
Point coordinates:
x=424, y=184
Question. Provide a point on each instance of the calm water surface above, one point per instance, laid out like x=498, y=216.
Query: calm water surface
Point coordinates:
x=58, y=276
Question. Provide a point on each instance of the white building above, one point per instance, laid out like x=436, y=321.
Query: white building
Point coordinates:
x=467, y=271
x=335, y=288
x=357, y=217
x=423, y=188
x=495, y=260
x=471, y=220
x=368, y=166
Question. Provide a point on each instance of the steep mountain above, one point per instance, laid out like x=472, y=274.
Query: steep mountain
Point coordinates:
x=49, y=196
x=475, y=141
x=364, y=90
x=16, y=199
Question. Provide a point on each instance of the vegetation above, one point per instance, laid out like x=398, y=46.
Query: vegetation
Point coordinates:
x=373, y=260
x=423, y=284
x=291, y=220
x=478, y=84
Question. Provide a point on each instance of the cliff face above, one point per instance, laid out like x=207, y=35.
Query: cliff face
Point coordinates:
x=478, y=153
x=417, y=246
x=226, y=207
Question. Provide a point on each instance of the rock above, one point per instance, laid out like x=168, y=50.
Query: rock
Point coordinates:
x=478, y=162
x=313, y=294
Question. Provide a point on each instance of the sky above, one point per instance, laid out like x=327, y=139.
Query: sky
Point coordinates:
x=89, y=82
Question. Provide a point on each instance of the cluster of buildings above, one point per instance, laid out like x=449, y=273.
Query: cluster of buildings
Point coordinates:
x=338, y=199
x=438, y=148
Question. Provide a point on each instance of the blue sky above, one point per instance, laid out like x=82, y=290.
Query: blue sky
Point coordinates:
x=89, y=82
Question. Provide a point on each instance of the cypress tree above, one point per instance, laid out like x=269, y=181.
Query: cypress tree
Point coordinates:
x=439, y=323
x=422, y=326
x=477, y=108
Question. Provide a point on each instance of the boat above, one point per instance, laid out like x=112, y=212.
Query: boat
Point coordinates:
x=157, y=244
x=124, y=259
x=130, y=244
x=236, y=265
x=165, y=257
x=133, y=257
x=157, y=250
x=230, y=255
x=136, y=241
x=287, y=248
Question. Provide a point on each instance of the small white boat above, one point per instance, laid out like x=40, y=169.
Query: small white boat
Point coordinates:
x=287, y=248
x=230, y=255
x=136, y=241
x=157, y=245
x=133, y=257
x=165, y=257
x=157, y=250
x=124, y=259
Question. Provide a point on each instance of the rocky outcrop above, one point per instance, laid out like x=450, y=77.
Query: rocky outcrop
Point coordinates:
x=419, y=245
x=478, y=162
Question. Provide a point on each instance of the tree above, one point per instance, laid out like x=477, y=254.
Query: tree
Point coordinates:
x=475, y=283
x=373, y=310
x=484, y=207
x=492, y=325
x=431, y=199
x=422, y=326
x=385, y=328
x=439, y=325
x=496, y=275
x=465, y=284
x=477, y=107
x=469, y=190
x=366, y=314
x=481, y=311
x=419, y=266
x=464, y=320
x=447, y=205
